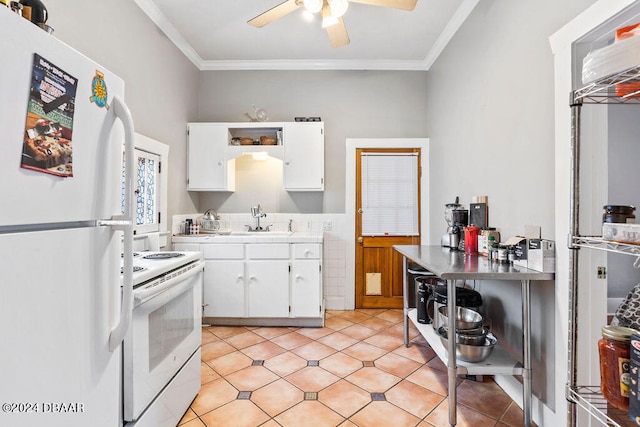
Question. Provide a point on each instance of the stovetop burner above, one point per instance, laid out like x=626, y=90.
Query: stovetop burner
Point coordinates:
x=163, y=255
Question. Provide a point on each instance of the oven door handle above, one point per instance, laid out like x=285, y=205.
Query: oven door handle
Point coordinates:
x=141, y=296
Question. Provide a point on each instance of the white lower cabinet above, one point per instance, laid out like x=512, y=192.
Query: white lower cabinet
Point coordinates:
x=268, y=288
x=224, y=288
x=275, y=282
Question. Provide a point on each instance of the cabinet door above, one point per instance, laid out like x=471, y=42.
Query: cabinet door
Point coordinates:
x=208, y=168
x=306, y=288
x=268, y=288
x=224, y=288
x=303, y=156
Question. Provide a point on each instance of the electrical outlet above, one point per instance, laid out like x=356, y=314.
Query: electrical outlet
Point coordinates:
x=327, y=225
x=309, y=225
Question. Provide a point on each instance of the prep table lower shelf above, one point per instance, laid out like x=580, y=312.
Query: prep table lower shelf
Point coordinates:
x=499, y=363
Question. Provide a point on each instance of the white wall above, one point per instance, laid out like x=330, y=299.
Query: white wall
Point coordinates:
x=161, y=85
x=353, y=104
x=490, y=123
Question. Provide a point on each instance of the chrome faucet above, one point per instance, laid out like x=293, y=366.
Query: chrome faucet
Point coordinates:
x=257, y=213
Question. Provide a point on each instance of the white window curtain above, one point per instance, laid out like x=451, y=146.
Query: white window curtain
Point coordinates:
x=389, y=194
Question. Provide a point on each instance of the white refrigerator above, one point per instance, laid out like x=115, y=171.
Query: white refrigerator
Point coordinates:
x=64, y=307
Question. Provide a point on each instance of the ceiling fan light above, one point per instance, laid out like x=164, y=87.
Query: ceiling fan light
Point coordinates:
x=313, y=6
x=329, y=20
x=338, y=7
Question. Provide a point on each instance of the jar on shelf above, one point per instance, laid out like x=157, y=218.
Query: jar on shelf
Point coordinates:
x=619, y=214
x=614, y=350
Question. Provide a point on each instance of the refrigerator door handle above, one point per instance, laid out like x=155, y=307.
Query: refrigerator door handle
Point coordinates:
x=125, y=223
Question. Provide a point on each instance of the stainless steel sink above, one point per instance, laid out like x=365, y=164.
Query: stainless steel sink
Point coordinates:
x=261, y=233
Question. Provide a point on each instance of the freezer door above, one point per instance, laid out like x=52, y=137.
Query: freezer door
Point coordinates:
x=34, y=197
x=60, y=300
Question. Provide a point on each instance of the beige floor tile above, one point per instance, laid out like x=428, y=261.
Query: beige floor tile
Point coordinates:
x=251, y=378
x=393, y=316
x=269, y=333
x=465, y=416
x=213, y=395
x=363, y=351
x=304, y=412
x=431, y=379
x=373, y=380
x=207, y=374
x=338, y=341
x=336, y=323
x=312, y=378
x=188, y=416
x=215, y=349
x=486, y=397
x=208, y=337
x=341, y=364
x=244, y=413
x=385, y=341
x=418, y=353
x=397, y=365
x=315, y=333
x=413, y=398
x=314, y=351
x=513, y=417
x=285, y=363
x=371, y=311
x=226, y=331
x=263, y=351
x=230, y=363
x=376, y=323
x=244, y=339
x=344, y=397
x=193, y=423
x=383, y=414
x=291, y=340
x=277, y=397
x=358, y=332
x=353, y=315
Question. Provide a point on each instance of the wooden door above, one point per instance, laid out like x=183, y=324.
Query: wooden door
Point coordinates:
x=379, y=270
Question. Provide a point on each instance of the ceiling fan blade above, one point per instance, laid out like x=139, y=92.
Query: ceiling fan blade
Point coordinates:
x=274, y=13
x=338, y=34
x=396, y=4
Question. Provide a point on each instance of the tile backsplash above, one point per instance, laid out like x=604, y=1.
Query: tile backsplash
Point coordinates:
x=334, y=228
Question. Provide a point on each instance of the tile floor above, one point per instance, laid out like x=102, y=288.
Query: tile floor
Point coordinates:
x=355, y=371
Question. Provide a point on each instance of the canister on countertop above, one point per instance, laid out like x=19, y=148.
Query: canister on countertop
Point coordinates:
x=471, y=233
x=483, y=239
x=614, y=351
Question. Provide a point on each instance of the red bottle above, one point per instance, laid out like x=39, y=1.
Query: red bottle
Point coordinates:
x=471, y=239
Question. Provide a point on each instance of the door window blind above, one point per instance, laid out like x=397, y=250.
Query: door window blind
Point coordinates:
x=389, y=194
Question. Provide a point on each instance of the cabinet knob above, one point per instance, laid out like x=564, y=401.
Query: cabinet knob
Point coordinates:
x=220, y=163
x=298, y=277
x=240, y=277
x=307, y=252
x=287, y=163
x=252, y=278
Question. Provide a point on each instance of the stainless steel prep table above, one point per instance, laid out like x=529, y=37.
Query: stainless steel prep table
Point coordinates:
x=455, y=265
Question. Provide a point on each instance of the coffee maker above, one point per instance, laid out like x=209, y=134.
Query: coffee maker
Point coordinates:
x=457, y=218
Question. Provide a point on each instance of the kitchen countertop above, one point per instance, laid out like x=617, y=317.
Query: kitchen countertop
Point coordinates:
x=249, y=237
x=452, y=265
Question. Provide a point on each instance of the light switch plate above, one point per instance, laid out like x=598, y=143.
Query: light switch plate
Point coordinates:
x=327, y=225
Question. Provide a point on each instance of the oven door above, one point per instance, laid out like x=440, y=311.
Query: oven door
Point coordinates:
x=165, y=331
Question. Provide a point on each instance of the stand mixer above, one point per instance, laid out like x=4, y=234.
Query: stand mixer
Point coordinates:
x=457, y=218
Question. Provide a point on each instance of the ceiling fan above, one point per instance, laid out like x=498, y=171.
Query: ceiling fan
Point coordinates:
x=331, y=12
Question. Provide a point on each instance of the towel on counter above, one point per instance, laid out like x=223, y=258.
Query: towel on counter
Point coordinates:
x=628, y=313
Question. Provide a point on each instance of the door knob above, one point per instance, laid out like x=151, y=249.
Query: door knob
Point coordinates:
x=360, y=211
x=361, y=240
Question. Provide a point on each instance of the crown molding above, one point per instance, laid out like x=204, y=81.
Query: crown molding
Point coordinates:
x=456, y=21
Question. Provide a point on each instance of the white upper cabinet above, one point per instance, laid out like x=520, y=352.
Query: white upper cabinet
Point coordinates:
x=213, y=148
x=304, y=156
x=208, y=167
